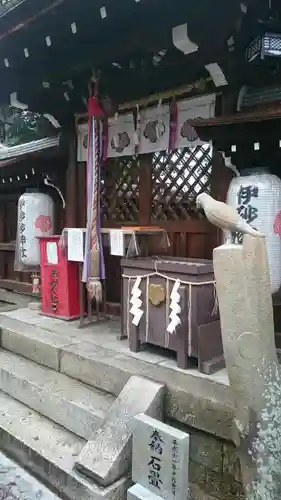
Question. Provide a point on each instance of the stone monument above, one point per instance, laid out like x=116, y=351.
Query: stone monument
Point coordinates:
x=246, y=314
x=160, y=461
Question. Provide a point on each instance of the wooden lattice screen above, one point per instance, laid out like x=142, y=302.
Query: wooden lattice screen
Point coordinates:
x=177, y=178
x=120, y=190
x=158, y=189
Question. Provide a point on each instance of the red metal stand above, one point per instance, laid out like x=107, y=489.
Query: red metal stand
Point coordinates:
x=59, y=281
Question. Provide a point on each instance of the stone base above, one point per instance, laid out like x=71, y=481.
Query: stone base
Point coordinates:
x=138, y=492
x=34, y=306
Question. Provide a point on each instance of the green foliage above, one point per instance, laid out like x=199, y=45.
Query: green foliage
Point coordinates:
x=24, y=128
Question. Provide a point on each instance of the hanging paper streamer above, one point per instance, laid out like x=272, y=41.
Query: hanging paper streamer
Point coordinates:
x=121, y=132
x=154, y=129
x=191, y=109
x=175, y=308
x=136, y=302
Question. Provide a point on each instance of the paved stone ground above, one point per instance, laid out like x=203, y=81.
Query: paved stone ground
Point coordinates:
x=17, y=484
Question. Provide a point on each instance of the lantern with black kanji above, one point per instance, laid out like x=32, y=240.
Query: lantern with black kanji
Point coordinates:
x=256, y=195
x=35, y=218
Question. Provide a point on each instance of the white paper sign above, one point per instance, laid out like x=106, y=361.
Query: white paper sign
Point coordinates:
x=75, y=243
x=52, y=252
x=116, y=242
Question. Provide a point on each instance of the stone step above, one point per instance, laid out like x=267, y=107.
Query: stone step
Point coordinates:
x=49, y=451
x=32, y=342
x=74, y=353
x=70, y=403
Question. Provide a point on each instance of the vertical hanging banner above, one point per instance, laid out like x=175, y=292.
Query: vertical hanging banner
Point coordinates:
x=154, y=129
x=121, y=131
x=191, y=109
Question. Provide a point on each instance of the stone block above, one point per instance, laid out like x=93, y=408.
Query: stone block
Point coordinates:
x=196, y=401
x=197, y=473
x=206, y=450
x=34, y=343
x=138, y=492
x=197, y=493
x=34, y=306
x=107, y=456
x=66, y=401
x=223, y=486
x=49, y=451
x=160, y=458
x=231, y=462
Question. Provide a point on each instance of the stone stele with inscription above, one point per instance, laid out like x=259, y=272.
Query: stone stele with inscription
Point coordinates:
x=160, y=458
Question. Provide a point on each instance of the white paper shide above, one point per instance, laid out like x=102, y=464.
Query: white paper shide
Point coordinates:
x=136, y=302
x=175, y=308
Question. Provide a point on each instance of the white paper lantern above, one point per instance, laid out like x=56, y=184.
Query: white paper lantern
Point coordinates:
x=35, y=218
x=257, y=198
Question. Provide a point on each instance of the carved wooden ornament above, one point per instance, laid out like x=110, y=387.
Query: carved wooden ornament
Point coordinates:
x=156, y=294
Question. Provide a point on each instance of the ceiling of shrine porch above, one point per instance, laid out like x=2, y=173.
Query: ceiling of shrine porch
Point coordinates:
x=50, y=48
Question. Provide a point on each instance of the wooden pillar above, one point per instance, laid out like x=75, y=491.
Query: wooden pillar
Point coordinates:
x=82, y=193
x=71, y=215
x=145, y=189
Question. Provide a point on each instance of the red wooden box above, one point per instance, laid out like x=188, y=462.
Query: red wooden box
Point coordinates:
x=59, y=281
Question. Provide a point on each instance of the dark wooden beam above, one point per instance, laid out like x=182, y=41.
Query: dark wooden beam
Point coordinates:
x=71, y=210
x=16, y=286
x=145, y=189
x=24, y=23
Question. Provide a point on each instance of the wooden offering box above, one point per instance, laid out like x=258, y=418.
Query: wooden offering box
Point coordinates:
x=198, y=334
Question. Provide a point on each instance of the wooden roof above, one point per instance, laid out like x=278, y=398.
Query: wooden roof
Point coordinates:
x=48, y=49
